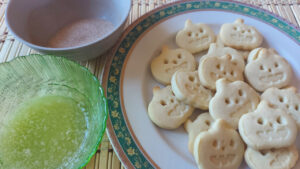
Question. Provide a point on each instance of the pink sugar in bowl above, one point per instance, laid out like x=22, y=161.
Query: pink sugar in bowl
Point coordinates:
x=78, y=30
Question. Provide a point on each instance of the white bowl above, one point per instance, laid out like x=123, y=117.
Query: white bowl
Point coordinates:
x=34, y=22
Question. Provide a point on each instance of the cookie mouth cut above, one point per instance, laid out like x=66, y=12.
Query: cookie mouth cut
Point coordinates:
x=222, y=160
x=176, y=66
x=273, y=135
x=199, y=40
x=273, y=78
x=243, y=38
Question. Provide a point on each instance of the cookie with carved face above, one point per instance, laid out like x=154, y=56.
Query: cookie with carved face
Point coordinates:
x=187, y=88
x=195, y=37
x=213, y=68
x=240, y=36
x=166, y=111
x=232, y=100
x=283, y=158
x=267, y=69
x=267, y=127
x=287, y=99
x=202, y=123
x=219, y=148
x=169, y=61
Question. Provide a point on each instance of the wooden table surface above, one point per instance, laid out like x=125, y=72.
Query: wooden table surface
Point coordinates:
x=105, y=158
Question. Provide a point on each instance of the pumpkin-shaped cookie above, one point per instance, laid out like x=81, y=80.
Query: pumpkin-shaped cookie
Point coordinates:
x=267, y=127
x=187, y=88
x=232, y=100
x=213, y=68
x=166, y=111
x=265, y=69
x=220, y=147
x=283, y=158
x=287, y=99
x=169, y=61
x=195, y=37
x=240, y=36
x=202, y=123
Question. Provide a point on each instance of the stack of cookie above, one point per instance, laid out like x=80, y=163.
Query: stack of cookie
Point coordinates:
x=243, y=87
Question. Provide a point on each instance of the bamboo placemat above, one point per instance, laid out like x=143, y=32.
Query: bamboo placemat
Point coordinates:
x=105, y=158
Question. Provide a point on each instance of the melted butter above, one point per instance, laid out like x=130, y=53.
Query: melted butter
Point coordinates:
x=46, y=132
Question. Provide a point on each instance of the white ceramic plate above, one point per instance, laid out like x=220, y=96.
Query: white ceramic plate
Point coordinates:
x=128, y=80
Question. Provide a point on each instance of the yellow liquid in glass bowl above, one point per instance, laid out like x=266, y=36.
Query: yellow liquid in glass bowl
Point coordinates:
x=45, y=132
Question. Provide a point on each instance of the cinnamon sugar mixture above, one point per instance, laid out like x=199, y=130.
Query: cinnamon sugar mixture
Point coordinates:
x=80, y=32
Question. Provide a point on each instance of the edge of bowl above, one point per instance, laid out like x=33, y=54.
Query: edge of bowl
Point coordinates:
x=102, y=130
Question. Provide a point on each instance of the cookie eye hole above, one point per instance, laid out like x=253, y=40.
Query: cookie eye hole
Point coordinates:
x=241, y=93
x=243, y=31
x=235, y=28
x=231, y=143
x=263, y=152
x=191, y=78
x=207, y=122
x=236, y=101
x=215, y=143
x=272, y=106
x=234, y=63
x=166, y=61
x=174, y=61
x=276, y=64
x=280, y=99
x=218, y=66
x=269, y=70
x=232, y=73
x=296, y=107
x=270, y=124
x=260, y=121
x=249, y=30
x=201, y=30
x=189, y=34
x=279, y=120
x=163, y=103
x=261, y=67
x=227, y=101
x=172, y=100
x=179, y=56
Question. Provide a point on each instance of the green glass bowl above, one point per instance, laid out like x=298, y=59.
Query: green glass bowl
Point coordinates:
x=39, y=75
